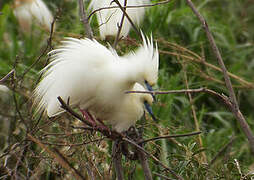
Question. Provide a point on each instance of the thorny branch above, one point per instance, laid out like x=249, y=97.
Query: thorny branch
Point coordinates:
x=232, y=98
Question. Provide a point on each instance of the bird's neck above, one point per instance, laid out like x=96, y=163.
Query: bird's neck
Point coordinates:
x=131, y=71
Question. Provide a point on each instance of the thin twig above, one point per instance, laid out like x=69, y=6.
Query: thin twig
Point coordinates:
x=128, y=17
x=170, y=136
x=234, y=107
x=119, y=27
x=84, y=20
x=58, y=157
x=153, y=157
x=162, y=176
x=222, y=150
x=114, y=7
x=7, y=76
x=193, y=109
x=48, y=47
x=199, y=60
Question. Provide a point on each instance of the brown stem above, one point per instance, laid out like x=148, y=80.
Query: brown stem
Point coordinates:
x=234, y=105
x=84, y=20
x=153, y=157
x=117, y=160
x=169, y=136
x=128, y=17
x=120, y=27
x=114, y=7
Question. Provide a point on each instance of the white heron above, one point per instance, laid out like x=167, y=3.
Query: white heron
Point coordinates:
x=94, y=78
x=110, y=19
x=32, y=11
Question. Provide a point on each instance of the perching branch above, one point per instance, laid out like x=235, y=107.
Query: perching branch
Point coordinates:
x=84, y=20
x=110, y=134
x=232, y=98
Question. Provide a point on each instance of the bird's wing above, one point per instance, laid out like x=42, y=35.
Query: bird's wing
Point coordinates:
x=75, y=71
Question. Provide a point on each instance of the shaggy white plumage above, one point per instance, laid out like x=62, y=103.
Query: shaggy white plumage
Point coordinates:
x=95, y=78
x=109, y=19
x=32, y=11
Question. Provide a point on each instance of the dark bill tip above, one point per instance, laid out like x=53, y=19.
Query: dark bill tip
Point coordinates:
x=150, y=111
x=149, y=88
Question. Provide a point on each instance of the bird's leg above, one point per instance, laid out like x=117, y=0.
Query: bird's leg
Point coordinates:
x=88, y=117
x=102, y=125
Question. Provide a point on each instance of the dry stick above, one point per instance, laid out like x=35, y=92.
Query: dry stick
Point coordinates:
x=84, y=20
x=112, y=134
x=117, y=160
x=114, y=7
x=234, y=108
x=162, y=176
x=58, y=156
x=128, y=17
x=49, y=42
x=241, y=80
x=153, y=157
x=11, y=73
x=115, y=135
x=170, y=136
x=222, y=150
x=120, y=27
x=203, y=155
x=145, y=165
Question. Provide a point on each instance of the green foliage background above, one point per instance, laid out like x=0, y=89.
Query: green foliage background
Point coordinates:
x=231, y=23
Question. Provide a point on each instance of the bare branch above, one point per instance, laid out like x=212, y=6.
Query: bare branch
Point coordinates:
x=7, y=76
x=223, y=149
x=58, y=157
x=117, y=160
x=153, y=157
x=114, y=7
x=170, y=136
x=110, y=134
x=162, y=176
x=84, y=20
x=234, y=107
x=128, y=17
x=119, y=27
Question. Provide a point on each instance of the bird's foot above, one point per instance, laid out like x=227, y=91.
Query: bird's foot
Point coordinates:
x=88, y=117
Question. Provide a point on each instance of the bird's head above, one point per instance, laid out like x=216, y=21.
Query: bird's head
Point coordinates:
x=146, y=99
x=148, y=58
